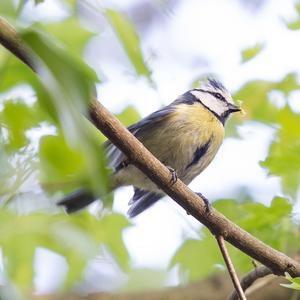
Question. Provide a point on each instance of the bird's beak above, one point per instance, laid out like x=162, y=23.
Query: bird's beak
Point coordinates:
x=233, y=108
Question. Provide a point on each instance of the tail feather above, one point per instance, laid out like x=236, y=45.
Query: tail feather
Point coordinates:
x=77, y=200
x=141, y=200
x=81, y=198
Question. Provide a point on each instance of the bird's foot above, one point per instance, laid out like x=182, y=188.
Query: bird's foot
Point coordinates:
x=123, y=164
x=174, y=176
x=206, y=202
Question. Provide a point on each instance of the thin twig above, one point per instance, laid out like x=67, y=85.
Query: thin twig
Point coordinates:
x=140, y=157
x=250, y=278
x=230, y=267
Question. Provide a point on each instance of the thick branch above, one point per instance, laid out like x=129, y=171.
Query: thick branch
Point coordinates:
x=10, y=39
x=159, y=174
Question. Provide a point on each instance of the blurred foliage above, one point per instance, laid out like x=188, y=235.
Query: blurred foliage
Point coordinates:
x=295, y=24
x=68, y=86
x=145, y=279
x=27, y=117
x=255, y=97
x=77, y=37
x=130, y=41
x=294, y=282
x=284, y=159
x=69, y=158
x=250, y=53
x=129, y=116
x=76, y=237
x=46, y=142
x=270, y=224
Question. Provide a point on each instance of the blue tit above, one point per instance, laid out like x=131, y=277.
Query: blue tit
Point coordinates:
x=185, y=135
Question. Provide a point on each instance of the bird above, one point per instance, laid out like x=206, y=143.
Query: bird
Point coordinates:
x=184, y=135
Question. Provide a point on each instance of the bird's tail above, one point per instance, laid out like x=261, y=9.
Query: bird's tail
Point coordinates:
x=82, y=198
x=141, y=200
x=77, y=200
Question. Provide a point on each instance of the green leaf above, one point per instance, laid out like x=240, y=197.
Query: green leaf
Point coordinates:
x=78, y=247
x=129, y=116
x=75, y=78
x=107, y=231
x=288, y=84
x=284, y=155
x=67, y=87
x=60, y=164
x=260, y=216
x=13, y=72
x=76, y=237
x=295, y=282
x=196, y=258
x=294, y=25
x=254, y=96
x=112, y=236
x=130, y=41
x=17, y=117
x=71, y=33
x=270, y=224
x=297, y=7
x=8, y=8
x=251, y=52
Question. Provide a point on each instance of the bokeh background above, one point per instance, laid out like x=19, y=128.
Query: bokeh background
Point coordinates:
x=141, y=55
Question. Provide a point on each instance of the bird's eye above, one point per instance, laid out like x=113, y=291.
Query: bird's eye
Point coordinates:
x=219, y=96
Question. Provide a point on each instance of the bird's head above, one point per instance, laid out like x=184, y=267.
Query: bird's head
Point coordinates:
x=214, y=97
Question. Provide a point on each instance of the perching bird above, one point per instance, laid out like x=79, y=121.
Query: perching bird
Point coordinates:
x=185, y=136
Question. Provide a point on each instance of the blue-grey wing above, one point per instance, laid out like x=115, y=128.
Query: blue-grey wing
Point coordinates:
x=117, y=160
x=141, y=200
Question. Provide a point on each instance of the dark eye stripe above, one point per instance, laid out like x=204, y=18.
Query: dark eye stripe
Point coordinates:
x=215, y=94
x=219, y=96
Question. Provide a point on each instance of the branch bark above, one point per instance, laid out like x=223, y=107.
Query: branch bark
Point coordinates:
x=250, y=278
x=10, y=39
x=234, y=278
x=160, y=175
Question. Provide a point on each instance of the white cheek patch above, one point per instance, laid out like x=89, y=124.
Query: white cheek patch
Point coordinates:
x=208, y=100
x=229, y=98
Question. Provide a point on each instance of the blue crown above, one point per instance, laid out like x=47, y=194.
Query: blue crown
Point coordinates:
x=216, y=84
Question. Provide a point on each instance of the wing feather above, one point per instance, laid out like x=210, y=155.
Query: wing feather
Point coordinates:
x=139, y=130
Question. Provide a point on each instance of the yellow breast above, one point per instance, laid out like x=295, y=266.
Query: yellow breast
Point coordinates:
x=199, y=119
x=200, y=127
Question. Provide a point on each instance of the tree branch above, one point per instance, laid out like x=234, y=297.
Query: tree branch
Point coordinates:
x=10, y=39
x=250, y=278
x=234, y=278
x=160, y=175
